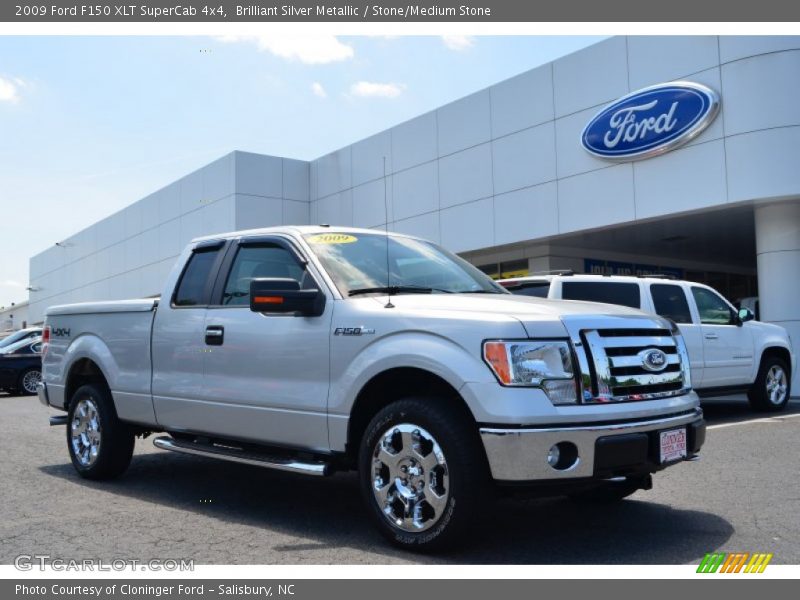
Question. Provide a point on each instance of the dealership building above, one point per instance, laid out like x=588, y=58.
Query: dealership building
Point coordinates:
x=505, y=177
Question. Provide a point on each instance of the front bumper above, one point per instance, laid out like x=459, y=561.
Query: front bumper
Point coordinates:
x=604, y=450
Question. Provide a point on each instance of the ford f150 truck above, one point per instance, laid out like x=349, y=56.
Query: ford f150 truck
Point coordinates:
x=312, y=350
x=729, y=351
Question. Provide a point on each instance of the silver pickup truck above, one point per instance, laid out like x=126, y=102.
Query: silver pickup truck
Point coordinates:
x=315, y=350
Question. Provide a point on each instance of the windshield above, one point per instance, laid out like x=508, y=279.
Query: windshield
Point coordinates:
x=358, y=263
x=21, y=345
x=16, y=337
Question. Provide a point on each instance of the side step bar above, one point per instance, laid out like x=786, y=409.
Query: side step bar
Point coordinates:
x=58, y=420
x=246, y=457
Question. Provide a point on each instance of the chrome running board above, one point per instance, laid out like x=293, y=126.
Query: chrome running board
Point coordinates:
x=58, y=420
x=246, y=457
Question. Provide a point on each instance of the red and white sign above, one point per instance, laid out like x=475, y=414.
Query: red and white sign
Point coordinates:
x=673, y=445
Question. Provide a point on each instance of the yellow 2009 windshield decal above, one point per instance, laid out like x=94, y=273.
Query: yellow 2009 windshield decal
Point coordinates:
x=332, y=238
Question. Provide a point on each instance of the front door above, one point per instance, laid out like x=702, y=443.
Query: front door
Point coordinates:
x=266, y=377
x=727, y=346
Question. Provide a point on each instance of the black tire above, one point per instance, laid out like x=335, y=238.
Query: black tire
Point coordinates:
x=21, y=382
x=607, y=493
x=760, y=394
x=467, y=473
x=116, y=439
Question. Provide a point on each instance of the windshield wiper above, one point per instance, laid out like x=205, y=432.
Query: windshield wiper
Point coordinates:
x=396, y=289
x=478, y=292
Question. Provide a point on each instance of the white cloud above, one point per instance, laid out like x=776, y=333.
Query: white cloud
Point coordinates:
x=316, y=50
x=9, y=89
x=318, y=90
x=371, y=89
x=459, y=43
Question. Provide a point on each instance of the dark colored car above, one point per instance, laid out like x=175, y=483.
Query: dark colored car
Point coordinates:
x=22, y=334
x=21, y=366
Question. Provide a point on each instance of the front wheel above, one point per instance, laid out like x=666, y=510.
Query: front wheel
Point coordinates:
x=100, y=445
x=423, y=474
x=770, y=392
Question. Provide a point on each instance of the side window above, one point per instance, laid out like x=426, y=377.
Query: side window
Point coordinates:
x=255, y=262
x=670, y=302
x=713, y=309
x=624, y=294
x=192, y=287
x=36, y=348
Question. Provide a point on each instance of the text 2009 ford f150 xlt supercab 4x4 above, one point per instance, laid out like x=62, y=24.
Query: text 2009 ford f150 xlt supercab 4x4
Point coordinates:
x=312, y=350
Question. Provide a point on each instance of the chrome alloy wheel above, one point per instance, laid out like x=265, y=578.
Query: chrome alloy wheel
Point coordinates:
x=776, y=385
x=85, y=432
x=30, y=381
x=410, y=480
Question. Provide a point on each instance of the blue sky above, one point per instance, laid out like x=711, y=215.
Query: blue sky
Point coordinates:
x=89, y=125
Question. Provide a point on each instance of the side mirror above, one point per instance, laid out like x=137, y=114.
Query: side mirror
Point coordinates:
x=284, y=296
x=745, y=315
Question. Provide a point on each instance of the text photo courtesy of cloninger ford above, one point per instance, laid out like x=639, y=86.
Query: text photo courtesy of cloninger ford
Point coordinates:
x=399, y=300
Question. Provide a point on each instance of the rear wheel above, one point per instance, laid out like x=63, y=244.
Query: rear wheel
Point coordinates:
x=100, y=445
x=770, y=392
x=423, y=475
x=28, y=381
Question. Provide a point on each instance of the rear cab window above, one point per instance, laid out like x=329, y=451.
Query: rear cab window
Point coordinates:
x=608, y=292
x=194, y=286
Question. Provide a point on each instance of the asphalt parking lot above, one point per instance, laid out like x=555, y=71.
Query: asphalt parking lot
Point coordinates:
x=744, y=495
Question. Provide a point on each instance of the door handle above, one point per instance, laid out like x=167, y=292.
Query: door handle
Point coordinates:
x=712, y=336
x=215, y=335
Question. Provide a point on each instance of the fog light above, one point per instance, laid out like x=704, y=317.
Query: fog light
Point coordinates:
x=553, y=456
x=563, y=456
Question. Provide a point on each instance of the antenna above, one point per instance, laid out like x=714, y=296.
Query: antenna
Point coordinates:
x=386, y=229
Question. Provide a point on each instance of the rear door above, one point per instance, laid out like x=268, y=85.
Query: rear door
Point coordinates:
x=265, y=376
x=178, y=340
x=670, y=301
x=727, y=347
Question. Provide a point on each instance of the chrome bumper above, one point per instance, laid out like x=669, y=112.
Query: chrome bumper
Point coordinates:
x=41, y=391
x=519, y=455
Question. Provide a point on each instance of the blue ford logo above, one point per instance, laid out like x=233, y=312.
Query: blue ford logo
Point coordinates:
x=651, y=121
x=653, y=359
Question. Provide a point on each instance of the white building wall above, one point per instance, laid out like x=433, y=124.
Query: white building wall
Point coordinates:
x=129, y=253
x=14, y=317
x=505, y=164
x=498, y=167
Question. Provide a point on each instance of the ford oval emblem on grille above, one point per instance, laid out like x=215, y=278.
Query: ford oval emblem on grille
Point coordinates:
x=653, y=359
x=651, y=121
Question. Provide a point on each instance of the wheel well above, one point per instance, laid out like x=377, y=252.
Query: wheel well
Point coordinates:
x=391, y=385
x=84, y=371
x=781, y=353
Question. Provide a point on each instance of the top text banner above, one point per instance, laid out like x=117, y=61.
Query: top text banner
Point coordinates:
x=400, y=10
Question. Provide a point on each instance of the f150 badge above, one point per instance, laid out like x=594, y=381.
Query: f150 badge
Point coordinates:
x=353, y=331
x=651, y=121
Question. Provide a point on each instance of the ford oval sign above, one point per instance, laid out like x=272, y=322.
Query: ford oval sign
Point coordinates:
x=650, y=122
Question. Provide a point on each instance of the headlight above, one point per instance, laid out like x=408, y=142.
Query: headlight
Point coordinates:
x=545, y=364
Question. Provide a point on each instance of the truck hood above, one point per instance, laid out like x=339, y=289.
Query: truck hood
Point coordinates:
x=539, y=316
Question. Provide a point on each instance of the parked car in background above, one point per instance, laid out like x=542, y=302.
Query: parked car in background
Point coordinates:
x=729, y=351
x=22, y=334
x=21, y=366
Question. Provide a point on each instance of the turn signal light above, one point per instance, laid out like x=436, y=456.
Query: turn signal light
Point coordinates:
x=269, y=299
x=497, y=356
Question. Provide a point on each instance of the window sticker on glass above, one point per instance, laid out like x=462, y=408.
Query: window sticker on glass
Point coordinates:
x=332, y=238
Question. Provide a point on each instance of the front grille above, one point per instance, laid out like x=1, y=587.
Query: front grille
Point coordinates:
x=618, y=370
